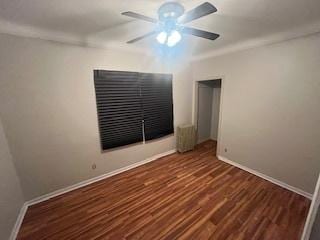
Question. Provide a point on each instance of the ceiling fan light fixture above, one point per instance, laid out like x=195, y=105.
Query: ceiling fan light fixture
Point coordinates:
x=174, y=38
x=162, y=37
x=170, y=10
x=171, y=21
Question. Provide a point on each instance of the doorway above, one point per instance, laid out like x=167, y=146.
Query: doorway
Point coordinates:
x=208, y=109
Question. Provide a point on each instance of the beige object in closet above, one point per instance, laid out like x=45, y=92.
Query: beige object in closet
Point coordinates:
x=186, y=138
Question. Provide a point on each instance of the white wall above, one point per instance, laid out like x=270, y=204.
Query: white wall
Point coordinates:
x=204, y=112
x=270, y=108
x=47, y=103
x=11, y=198
x=216, y=92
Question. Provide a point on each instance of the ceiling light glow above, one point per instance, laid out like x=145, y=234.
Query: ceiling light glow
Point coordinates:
x=174, y=38
x=170, y=40
x=162, y=37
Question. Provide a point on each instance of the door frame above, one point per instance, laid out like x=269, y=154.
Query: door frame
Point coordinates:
x=313, y=210
x=195, y=101
x=315, y=204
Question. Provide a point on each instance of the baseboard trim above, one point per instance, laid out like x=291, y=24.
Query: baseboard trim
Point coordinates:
x=96, y=179
x=268, y=178
x=18, y=223
x=48, y=196
x=56, y=193
x=203, y=140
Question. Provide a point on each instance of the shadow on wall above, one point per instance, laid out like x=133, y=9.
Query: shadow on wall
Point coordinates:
x=315, y=233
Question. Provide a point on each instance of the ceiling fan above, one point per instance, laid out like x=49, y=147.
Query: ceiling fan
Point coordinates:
x=171, y=20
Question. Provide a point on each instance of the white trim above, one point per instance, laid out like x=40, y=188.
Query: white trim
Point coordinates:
x=195, y=104
x=96, y=179
x=25, y=31
x=312, y=212
x=21, y=30
x=45, y=197
x=203, y=140
x=268, y=178
x=290, y=34
x=18, y=223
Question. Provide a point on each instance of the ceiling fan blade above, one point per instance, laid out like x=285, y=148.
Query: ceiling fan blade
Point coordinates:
x=198, y=12
x=139, y=16
x=141, y=37
x=200, y=33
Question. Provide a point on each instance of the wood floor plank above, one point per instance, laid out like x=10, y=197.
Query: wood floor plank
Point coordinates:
x=180, y=196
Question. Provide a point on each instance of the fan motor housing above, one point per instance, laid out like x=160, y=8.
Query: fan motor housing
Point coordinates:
x=170, y=11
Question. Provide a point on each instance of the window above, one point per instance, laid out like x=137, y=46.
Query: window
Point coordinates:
x=156, y=95
x=133, y=106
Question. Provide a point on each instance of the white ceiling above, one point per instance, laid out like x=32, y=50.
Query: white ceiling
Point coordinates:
x=239, y=23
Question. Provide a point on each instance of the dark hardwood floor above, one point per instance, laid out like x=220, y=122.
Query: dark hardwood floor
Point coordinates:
x=181, y=196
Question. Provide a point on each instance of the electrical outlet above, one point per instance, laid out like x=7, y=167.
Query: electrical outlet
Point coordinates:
x=94, y=166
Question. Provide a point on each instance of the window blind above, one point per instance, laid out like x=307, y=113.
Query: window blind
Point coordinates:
x=119, y=108
x=133, y=106
x=157, y=104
